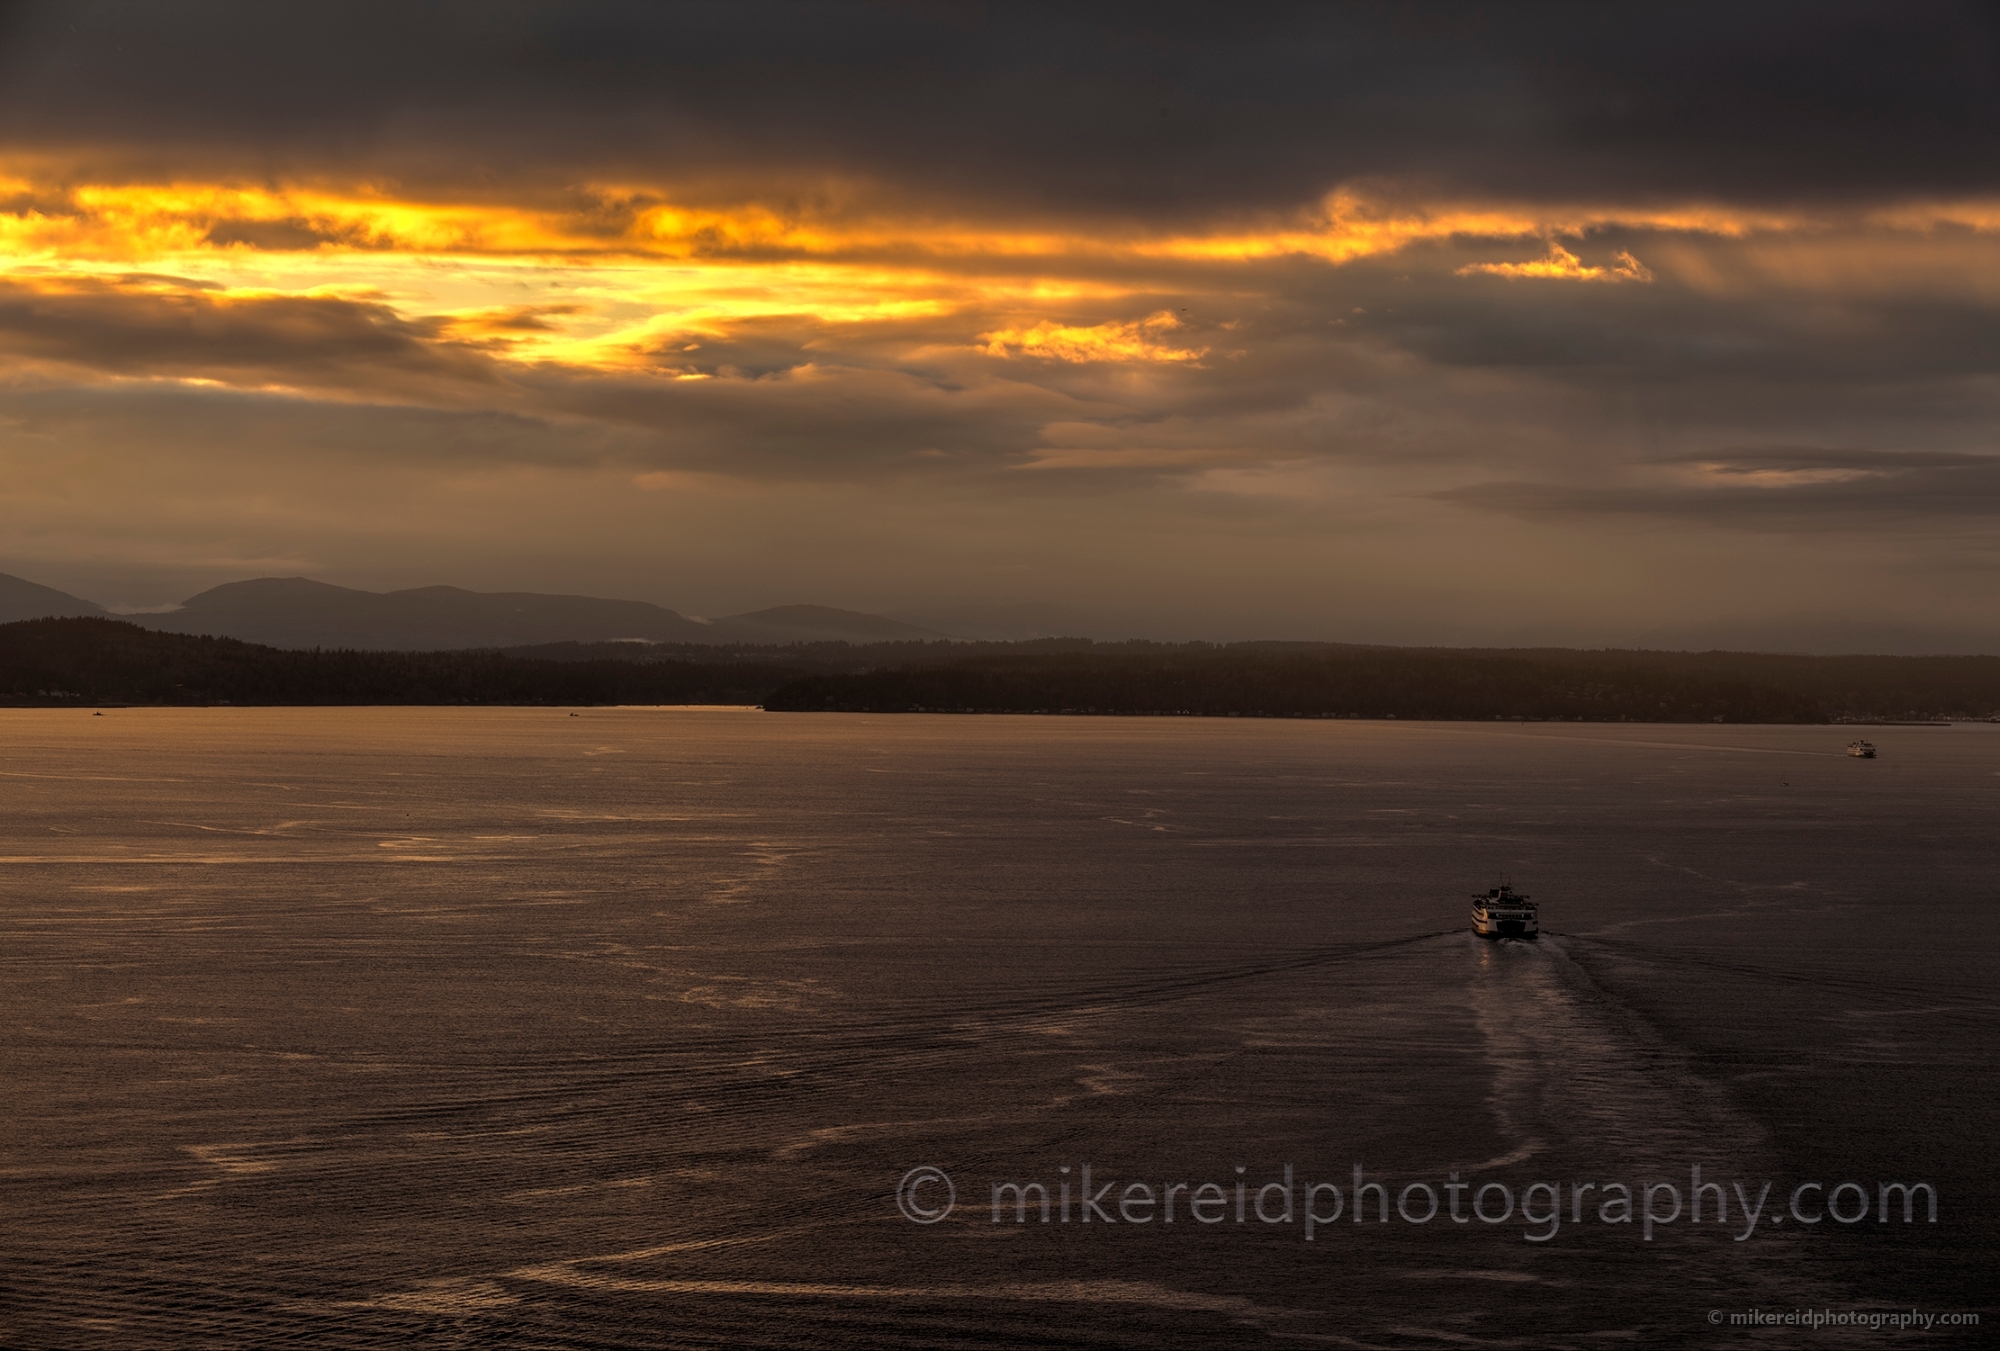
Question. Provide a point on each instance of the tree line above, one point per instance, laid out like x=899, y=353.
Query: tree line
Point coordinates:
x=62, y=661
x=56, y=661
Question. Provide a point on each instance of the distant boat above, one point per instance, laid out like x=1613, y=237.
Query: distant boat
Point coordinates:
x=1861, y=750
x=1500, y=913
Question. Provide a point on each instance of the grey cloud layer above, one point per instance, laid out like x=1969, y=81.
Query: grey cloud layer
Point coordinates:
x=1142, y=110
x=1784, y=487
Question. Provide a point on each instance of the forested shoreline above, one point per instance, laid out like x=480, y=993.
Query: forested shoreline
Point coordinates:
x=97, y=661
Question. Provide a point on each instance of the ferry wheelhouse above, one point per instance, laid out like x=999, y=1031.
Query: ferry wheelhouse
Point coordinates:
x=1501, y=913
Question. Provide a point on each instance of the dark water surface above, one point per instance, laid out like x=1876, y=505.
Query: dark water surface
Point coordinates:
x=399, y=1027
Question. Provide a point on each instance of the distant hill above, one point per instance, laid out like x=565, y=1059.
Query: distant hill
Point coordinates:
x=22, y=599
x=294, y=612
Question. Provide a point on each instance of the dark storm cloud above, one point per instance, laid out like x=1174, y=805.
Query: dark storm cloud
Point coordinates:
x=1668, y=333
x=1147, y=110
x=132, y=330
x=810, y=423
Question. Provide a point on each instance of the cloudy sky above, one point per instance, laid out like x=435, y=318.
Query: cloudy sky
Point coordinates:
x=1574, y=323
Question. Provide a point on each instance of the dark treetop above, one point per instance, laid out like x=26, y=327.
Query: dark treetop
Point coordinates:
x=82, y=661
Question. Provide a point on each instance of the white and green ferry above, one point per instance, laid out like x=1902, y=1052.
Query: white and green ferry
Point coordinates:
x=1501, y=913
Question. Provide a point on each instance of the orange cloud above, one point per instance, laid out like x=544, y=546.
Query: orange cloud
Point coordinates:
x=608, y=222
x=1562, y=265
x=623, y=277
x=1135, y=341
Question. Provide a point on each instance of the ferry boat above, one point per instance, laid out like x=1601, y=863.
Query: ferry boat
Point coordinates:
x=1861, y=750
x=1501, y=913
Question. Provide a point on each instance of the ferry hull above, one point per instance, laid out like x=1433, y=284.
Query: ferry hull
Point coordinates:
x=1503, y=913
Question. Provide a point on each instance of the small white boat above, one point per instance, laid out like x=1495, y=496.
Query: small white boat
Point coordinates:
x=1861, y=750
x=1500, y=913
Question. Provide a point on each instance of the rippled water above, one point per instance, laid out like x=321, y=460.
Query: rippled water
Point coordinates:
x=513, y=1028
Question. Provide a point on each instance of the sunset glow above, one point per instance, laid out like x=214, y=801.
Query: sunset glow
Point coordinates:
x=621, y=279
x=1321, y=348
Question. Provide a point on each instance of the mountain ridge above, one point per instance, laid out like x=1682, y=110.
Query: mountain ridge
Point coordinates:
x=23, y=599
x=298, y=613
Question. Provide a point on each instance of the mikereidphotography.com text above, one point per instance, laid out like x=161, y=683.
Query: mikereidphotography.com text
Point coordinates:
x=1542, y=1209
